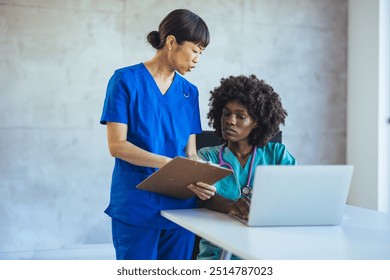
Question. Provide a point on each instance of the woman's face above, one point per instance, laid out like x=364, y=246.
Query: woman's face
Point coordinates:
x=184, y=58
x=236, y=123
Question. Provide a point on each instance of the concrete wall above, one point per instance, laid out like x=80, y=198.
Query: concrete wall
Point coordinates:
x=57, y=56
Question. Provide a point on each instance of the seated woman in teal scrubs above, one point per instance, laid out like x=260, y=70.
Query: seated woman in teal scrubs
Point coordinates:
x=246, y=113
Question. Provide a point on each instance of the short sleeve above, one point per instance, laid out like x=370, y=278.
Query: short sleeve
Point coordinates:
x=202, y=153
x=285, y=158
x=116, y=103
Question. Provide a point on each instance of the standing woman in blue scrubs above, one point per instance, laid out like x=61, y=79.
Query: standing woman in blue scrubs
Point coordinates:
x=246, y=113
x=152, y=115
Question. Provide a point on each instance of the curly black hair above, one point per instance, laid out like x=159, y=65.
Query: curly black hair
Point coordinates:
x=262, y=102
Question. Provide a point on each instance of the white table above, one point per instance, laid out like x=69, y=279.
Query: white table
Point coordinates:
x=364, y=234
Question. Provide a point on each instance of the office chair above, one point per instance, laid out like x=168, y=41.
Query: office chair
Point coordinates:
x=208, y=139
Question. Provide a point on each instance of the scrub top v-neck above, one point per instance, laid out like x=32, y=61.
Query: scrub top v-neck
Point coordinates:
x=165, y=97
x=159, y=123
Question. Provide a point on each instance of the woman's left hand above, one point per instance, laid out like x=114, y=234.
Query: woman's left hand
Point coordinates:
x=240, y=208
x=202, y=190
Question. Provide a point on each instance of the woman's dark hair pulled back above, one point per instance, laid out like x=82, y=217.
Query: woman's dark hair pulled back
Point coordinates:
x=184, y=25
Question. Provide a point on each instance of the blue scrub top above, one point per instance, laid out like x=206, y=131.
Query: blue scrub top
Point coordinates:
x=230, y=186
x=158, y=123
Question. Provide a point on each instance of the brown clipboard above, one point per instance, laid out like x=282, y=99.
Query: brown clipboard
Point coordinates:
x=172, y=179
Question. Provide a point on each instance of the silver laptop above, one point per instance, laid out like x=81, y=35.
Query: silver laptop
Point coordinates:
x=299, y=195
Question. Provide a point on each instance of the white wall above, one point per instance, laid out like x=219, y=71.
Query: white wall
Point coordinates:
x=384, y=107
x=368, y=137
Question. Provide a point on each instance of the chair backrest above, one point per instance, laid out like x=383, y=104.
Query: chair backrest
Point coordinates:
x=208, y=139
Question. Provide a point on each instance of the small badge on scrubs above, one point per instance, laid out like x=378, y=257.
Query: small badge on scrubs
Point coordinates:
x=186, y=95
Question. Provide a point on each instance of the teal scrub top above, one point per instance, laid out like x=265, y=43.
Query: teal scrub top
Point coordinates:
x=230, y=186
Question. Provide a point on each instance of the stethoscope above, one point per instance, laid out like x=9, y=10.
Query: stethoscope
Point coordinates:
x=246, y=191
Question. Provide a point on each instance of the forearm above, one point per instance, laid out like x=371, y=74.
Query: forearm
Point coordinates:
x=218, y=203
x=121, y=148
x=191, y=147
x=129, y=152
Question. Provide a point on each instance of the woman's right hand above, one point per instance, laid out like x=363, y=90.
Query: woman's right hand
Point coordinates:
x=202, y=190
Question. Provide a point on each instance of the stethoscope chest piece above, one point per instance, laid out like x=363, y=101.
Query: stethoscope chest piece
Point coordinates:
x=246, y=191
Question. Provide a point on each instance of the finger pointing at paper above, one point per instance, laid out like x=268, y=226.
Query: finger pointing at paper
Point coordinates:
x=202, y=190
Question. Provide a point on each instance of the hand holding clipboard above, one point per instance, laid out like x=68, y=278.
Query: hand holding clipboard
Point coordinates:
x=174, y=177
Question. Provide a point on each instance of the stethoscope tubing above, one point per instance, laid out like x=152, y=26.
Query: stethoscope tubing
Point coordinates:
x=246, y=191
